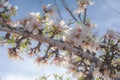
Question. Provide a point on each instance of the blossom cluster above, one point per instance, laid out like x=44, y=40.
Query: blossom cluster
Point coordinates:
x=81, y=36
x=6, y=9
x=82, y=5
x=111, y=34
x=36, y=23
x=33, y=23
x=13, y=54
x=111, y=40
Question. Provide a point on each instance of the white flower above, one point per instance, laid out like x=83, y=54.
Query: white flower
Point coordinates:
x=7, y=13
x=29, y=26
x=15, y=7
x=82, y=36
x=33, y=22
x=92, y=2
x=82, y=5
x=61, y=23
x=111, y=34
x=37, y=13
x=96, y=72
x=35, y=31
x=1, y=9
x=78, y=11
x=48, y=5
x=15, y=24
x=50, y=22
x=32, y=14
x=6, y=4
x=2, y=1
x=41, y=26
x=71, y=36
x=65, y=63
x=9, y=6
x=20, y=25
x=67, y=36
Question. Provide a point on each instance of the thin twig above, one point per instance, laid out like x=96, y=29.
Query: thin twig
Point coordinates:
x=66, y=7
x=84, y=20
x=58, y=11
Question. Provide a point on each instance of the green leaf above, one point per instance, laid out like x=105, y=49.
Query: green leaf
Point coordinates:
x=68, y=78
x=81, y=78
x=14, y=13
x=5, y=16
x=97, y=79
x=57, y=36
x=24, y=44
x=8, y=41
x=13, y=44
x=88, y=20
x=13, y=41
x=1, y=37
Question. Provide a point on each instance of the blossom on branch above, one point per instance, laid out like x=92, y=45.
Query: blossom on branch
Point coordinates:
x=79, y=43
x=81, y=36
x=6, y=9
x=82, y=5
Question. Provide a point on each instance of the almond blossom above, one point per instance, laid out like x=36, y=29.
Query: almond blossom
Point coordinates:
x=111, y=34
x=49, y=10
x=62, y=24
x=6, y=8
x=82, y=5
x=81, y=36
x=74, y=39
x=33, y=23
x=13, y=54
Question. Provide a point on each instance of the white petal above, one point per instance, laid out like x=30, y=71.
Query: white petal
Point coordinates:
x=81, y=10
x=35, y=31
x=9, y=6
x=48, y=5
x=92, y=2
x=32, y=14
x=2, y=1
x=61, y=23
x=8, y=13
x=50, y=22
x=40, y=27
x=29, y=27
x=16, y=7
x=65, y=27
x=37, y=14
x=1, y=9
x=6, y=4
x=20, y=25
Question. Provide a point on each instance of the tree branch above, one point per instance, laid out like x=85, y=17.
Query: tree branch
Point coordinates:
x=59, y=45
x=84, y=20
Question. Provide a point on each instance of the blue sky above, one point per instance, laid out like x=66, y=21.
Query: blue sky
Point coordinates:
x=26, y=69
